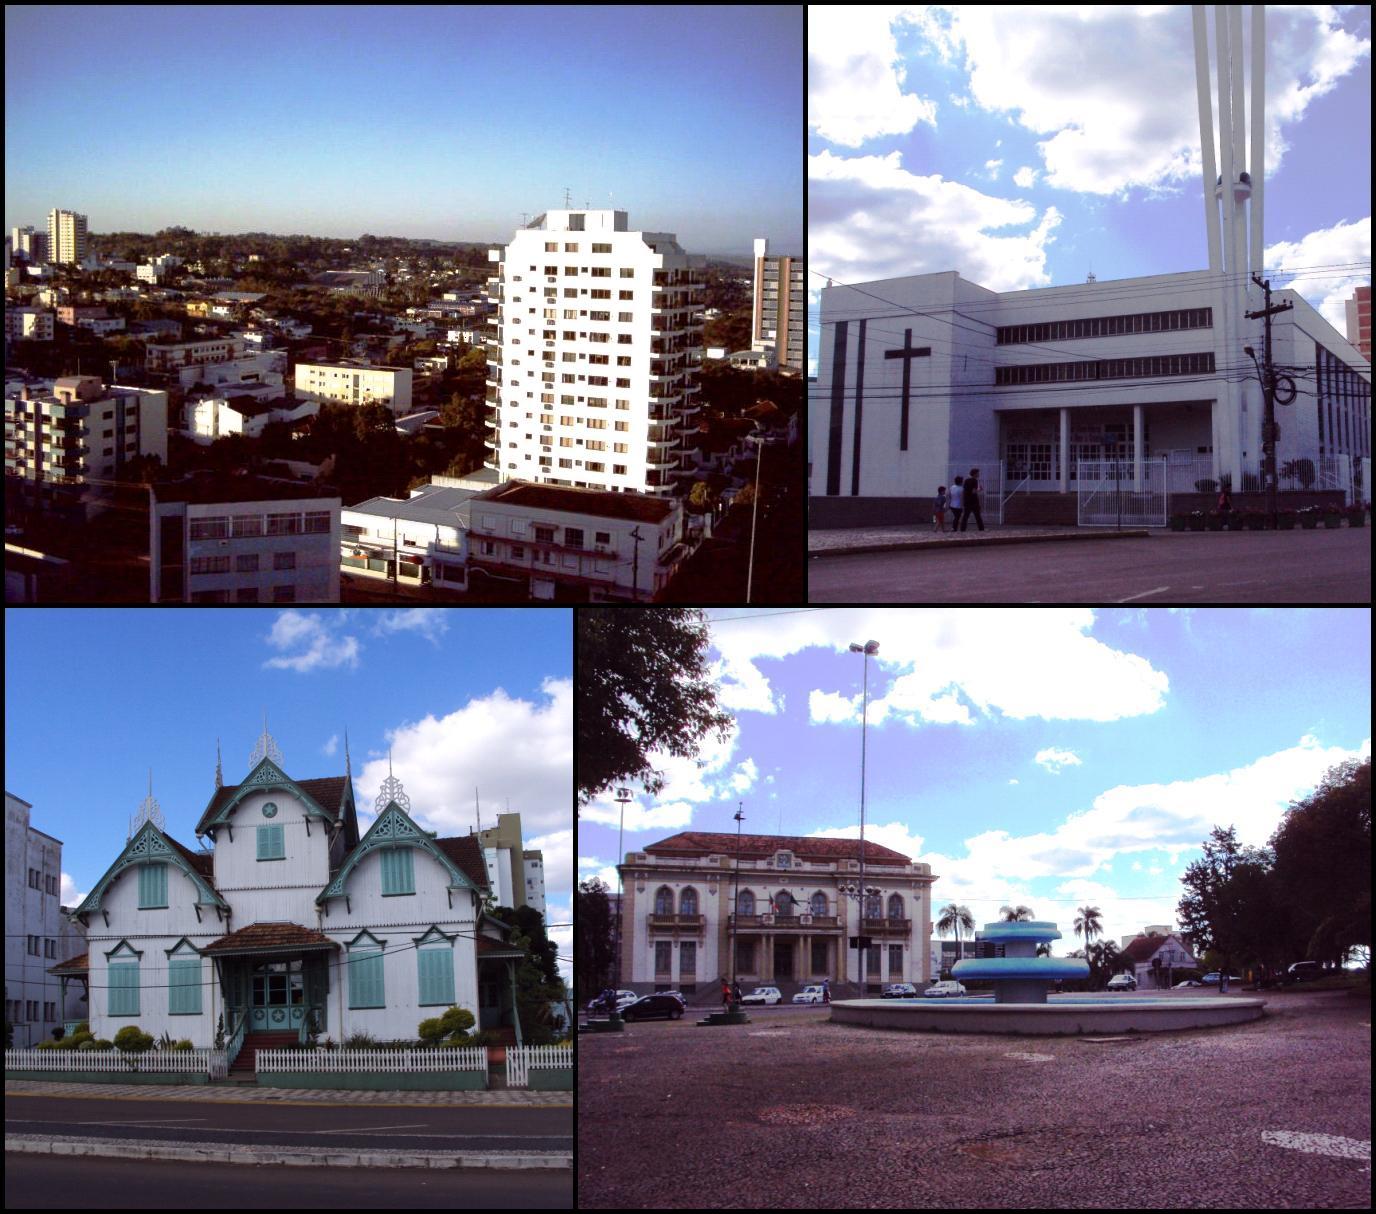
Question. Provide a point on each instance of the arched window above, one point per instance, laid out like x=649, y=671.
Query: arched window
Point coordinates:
x=872, y=907
x=895, y=906
x=819, y=903
x=783, y=903
x=688, y=902
x=745, y=904
x=664, y=901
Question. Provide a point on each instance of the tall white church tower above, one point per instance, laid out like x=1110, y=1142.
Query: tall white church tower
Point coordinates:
x=1233, y=215
x=592, y=381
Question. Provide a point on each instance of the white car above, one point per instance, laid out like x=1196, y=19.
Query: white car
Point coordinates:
x=763, y=994
x=809, y=994
x=1122, y=982
x=943, y=989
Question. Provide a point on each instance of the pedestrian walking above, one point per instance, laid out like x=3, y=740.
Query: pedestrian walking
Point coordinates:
x=725, y=993
x=957, y=501
x=972, y=500
x=939, y=511
x=826, y=990
x=736, y=991
x=1225, y=504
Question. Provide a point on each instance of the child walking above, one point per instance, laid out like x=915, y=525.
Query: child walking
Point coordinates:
x=939, y=515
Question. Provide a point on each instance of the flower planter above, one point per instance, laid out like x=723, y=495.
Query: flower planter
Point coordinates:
x=1332, y=521
x=1287, y=520
x=1177, y=522
x=1196, y=524
x=1356, y=518
x=1309, y=521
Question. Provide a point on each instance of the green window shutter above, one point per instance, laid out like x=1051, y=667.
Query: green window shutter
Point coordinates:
x=436, y=975
x=185, y=987
x=124, y=989
x=406, y=876
x=365, y=979
x=270, y=845
x=397, y=872
x=152, y=885
x=389, y=872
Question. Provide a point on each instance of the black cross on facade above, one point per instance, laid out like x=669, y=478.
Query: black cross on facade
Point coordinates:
x=907, y=354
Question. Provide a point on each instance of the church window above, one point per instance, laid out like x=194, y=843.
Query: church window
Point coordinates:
x=270, y=844
x=436, y=966
x=398, y=876
x=365, y=975
x=152, y=886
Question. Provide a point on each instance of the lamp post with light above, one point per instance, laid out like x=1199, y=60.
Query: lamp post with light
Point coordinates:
x=868, y=649
x=623, y=798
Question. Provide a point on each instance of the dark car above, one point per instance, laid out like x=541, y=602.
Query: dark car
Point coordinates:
x=1304, y=971
x=649, y=1006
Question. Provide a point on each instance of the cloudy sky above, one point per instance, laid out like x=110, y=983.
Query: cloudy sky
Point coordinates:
x=1049, y=757
x=1028, y=146
x=476, y=706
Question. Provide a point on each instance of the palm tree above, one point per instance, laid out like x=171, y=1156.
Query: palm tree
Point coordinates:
x=953, y=918
x=1087, y=923
x=1015, y=914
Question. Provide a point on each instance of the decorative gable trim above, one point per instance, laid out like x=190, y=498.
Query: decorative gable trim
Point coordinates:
x=182, y=946
x=365, y=939
x=393, y=828
x=267, y=775
x=149, y=845
x=125, y=948
x=434, y=936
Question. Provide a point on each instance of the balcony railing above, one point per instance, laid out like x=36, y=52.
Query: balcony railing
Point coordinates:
x=666, y=922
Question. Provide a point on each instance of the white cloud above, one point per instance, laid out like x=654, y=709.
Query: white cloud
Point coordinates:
x=321, y=646
x=993, y=167
x=1054, y=760
x=1012, y=781
x=1338, y=247
x=332, y=745
x=429, y=622
x=69, y=895
x=855, y=79
x=869, y=218
x=744, y=776
x=1025, y=177
x=832, y=706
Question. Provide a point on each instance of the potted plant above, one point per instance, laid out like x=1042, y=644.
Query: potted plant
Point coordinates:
x=1177, y=522
x=1286, y=520
x=1196, y=520
x=1214, y=522
x=1255, y=520
x=1332, y=517
x=1309, y=517
x=1356, y=516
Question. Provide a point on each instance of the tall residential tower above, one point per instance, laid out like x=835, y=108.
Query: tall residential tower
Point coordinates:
x=776, y=319
x=593, y=371
x=66, y=237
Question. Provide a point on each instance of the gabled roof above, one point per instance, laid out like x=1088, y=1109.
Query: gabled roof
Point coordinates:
x=1143, y=948
x=264, y=937
x=468, y=856
x=394, y=827
x=702, y=843
x=332, y=796
x=153, y=845
x=73, y=965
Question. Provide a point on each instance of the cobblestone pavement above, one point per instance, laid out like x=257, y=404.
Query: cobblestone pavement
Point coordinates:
x=802, y=1113
x=248, y=1094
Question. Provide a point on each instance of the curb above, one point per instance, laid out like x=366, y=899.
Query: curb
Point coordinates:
x=293, y=1157
x=929, y=545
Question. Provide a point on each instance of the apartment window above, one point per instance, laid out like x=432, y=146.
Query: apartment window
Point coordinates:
x=284, y=594
x=247, y=525
x=246, y=594
x=317, y=522
x=284, y=524
x=619, y=469
x=283, y=560
x=573, y=536
x=601, y=248
x=544, y=535
x=246, y=562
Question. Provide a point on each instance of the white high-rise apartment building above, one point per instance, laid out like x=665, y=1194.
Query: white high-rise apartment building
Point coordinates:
x=66, y=237
x=593, y=373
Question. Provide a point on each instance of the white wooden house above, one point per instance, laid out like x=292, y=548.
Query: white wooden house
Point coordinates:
x=291, y=920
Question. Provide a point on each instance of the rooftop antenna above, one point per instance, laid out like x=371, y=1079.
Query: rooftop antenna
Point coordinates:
x=219, y=778
x=525, y=219
x=477, y=816
x=568, y=195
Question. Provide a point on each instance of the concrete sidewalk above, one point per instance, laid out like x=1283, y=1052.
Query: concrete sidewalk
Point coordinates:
x=851, y=540
x=217, y=1093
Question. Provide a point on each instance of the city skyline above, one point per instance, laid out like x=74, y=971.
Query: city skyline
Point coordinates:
x=659, y=112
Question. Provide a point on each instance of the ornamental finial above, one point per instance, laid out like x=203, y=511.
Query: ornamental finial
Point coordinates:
x=149, y=811
x=219, y=777
x=391, y=790
x=265, y=748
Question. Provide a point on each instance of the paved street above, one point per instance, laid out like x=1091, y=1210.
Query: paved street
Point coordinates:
x=794, y=1112
x=1275, y=567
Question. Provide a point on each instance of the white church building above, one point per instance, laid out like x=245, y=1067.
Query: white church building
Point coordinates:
x=292, y=921
x=1161, y=378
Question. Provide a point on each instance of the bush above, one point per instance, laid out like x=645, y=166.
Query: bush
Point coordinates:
x=183, y=1044
x=451, y=1028
x=88, y=1044
x=80, y=1038
x=133, y=1040
x=104, y=1043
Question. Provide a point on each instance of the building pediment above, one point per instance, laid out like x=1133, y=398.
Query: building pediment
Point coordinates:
x=149, y=846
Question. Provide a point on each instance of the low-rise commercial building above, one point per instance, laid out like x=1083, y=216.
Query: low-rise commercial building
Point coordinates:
x=419, y=541
x=355, y=384
x=164, y=358
x=246, y=413
x=28, y=324
x=243, y=539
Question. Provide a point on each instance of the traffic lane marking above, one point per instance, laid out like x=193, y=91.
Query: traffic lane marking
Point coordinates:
x=1320, y=1144
x=1158, y=590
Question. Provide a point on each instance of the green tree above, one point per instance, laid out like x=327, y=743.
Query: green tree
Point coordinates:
x=538, y=984
x=953, y=919
x=1014, y=914
x=643, y=688
x=1087, y=923
x=592, y=947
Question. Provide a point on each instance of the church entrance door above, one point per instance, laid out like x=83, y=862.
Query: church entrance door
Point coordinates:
x=279, y=1000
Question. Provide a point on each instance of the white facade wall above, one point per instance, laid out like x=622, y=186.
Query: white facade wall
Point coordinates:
x=264, y=367
x=347, y=385
x=28, y=324
x=576, y=290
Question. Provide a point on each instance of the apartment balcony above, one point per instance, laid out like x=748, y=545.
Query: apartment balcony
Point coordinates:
x=783, y=922
x=677, y=923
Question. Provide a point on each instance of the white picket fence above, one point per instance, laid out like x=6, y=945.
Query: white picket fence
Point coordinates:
x=521, y=1059
x=152, y=1062
x=373, y=1062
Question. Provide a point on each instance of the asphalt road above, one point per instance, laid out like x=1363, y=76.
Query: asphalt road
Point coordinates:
x=402, y=1128
x=794, y=1112
x=45, y=1182
x=1274, y=567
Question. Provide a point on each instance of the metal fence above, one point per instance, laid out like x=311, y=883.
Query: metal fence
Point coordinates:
x=151, y=1062
x=375, y=1062
x=520, y=1060
x=1195, y=474
x=1109, y=493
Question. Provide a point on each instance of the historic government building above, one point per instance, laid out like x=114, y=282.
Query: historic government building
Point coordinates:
x=793, y=919
x=292, y=920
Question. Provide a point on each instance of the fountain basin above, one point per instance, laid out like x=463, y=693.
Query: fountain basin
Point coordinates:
x=1061, y=1015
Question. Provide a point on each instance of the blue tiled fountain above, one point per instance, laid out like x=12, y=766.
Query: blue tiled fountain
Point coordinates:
x=1020, y=976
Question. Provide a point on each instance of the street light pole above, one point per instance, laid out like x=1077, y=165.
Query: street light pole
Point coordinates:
x=758, y=440
x=868, y=649
x=623, y=797
x=736, y=902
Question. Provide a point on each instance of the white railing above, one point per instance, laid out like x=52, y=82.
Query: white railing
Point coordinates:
x=521, y=1059
x=153, y=1062
x=374, y=1062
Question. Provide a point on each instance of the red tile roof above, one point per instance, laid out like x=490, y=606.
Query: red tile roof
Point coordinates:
x=269, y=936
x=701, y=843
x=467, y=856
x=73, y=965
x=328, y=793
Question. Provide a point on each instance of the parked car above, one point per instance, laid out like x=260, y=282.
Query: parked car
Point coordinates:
x=763, y=994
x=1187, y=982
x=1212, y=979
x=1122, y=982
x=665, y=1003
x=942, y=990
x=809, y=994
x=1303, y=971
x=604, y=1005
x=899, y=990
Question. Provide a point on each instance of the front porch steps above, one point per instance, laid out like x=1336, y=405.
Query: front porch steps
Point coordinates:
x=253, y=1042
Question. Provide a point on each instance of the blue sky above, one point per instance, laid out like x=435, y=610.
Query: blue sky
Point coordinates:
x=465, y=698
x=437, y=121
x=1027, y=147
x=1049, y=757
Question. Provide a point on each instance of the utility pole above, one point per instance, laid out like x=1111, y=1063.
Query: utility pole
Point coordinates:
x=1269, y=431
x=736, y=905
x=635, y=566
